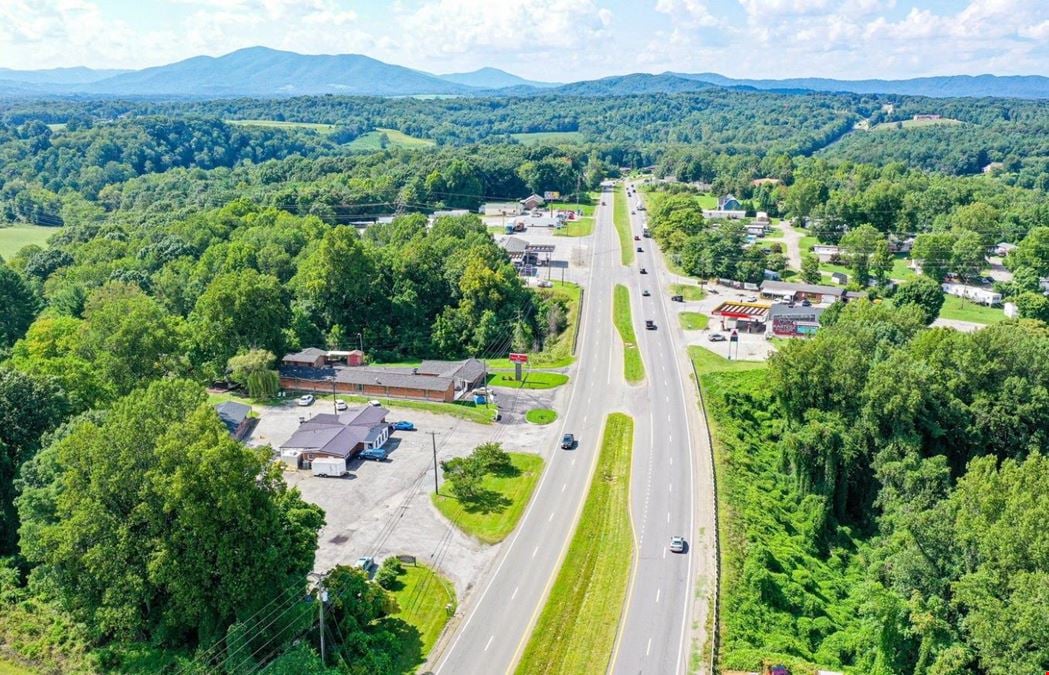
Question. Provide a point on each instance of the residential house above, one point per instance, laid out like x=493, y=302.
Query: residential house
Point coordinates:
x=532, y=201
x=927, y=116
x=235, y=417
x=757, y=230
x=977, y=294
x=729, y=203
x=757, y=182
x=340, y=436
x=723, y=214
x=311, y=357
x=826, y=252
x=897, y=245
x=761, y=217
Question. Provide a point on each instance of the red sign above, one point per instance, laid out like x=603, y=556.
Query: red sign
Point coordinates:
x=519, y=358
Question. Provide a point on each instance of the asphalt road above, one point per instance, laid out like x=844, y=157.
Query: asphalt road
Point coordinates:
x=656, y=632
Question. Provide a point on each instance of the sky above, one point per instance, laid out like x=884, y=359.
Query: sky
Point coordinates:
x=551, y=40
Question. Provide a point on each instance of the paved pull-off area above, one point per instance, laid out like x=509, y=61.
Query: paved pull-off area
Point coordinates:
x=670, y=461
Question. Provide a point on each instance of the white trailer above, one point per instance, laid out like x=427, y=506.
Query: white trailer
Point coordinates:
x=329, y=467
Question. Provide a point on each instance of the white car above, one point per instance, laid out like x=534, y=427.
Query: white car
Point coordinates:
x=750, y=298
x=305, y=400
x=375, y=402
x=340, y=404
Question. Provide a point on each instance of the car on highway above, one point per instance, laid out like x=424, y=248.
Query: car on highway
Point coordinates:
x=305, y=400
x=568, y=442
x=403, y=425
x=677, y=298
x=644, y=271
x=646, y=293
x=650, y=324
x=340, y=404
x=366, y=563
x=640, y=250
x=637, y=238
x=716, y=337
x=677, y=544
x=632, y=212
x=375, y=454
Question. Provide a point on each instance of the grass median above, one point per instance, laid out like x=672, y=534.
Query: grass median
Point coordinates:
x=633, y=366
x=541, y=416
x=577, y=628
x=621, y=219
x=693, y=320
x=502, y=500
x=529, y=380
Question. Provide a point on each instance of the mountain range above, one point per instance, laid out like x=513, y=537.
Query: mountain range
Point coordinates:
x=265, y=72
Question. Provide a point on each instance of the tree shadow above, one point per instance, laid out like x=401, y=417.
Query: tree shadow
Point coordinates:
x=486, y=501
x=507, y=470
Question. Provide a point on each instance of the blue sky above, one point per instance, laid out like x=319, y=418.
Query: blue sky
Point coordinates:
x=556, y=40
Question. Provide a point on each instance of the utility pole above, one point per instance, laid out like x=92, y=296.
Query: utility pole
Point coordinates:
x=322, y=597
x=433, y=439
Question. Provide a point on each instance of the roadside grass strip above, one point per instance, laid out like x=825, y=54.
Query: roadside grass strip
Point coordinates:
x=501, y=501
x=577, y=629
x=693, y=320
x=633, y=366
x=621, y=219
x=424, y=597
x=535, y=379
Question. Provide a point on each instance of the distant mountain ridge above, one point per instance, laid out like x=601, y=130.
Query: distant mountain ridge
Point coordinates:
x=265, y=72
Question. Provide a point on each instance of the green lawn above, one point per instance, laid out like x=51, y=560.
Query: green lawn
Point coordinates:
x=13, y=238
x=774, y=233
x=707, y=361
x=806, y=244
x=530, y=380
x=276, y=124
x=901, y=268
x=581, y=227
x=373, y=140
x=633, y=367
x=493, y=519
x=8, y=668
x=621, y=218
x=467, y=410
x=423, y=596
x=577, y=628
x=961, y=309
x=707, y=201
x=548, y=137
x=540, y=416
x=693, y=320
x=587, y=207
x=688, y=291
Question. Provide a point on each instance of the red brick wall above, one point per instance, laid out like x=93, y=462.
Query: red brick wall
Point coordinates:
x=376, y=391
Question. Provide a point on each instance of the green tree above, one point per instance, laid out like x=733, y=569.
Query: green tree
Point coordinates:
x=922, y=292
x=934, y=251
x=389, y=571
x=1032, y=252
x=492, y=457
x=1033, y=306
x=967, y=254
x=154, y=524
x=465, y=475
x=52, y=348
x=19, y=305
x=865, y=249
x=810, y=269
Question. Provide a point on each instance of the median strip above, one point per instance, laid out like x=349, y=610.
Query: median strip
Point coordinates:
x=577, y=628
x=622, y=223
x=633, y=366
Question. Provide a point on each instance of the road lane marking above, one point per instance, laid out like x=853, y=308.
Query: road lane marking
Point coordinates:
x=668, y=516
x=489, y=643
x=671, y=460
x=664, y=554
x=550, y=518
x=514, y=595
x=573, y=461
x=648, y=648
x=537, y=549
x=659, y=593
x=564, y=487
x=670, y=487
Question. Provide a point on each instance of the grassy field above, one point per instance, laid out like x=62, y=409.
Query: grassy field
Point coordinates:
x=621, y=218
x=633, y=367
x=707, y=361
x=707, y=201
x=774, y=233
x=689, y=292
x=577, y=628
x=548, y=137
x=693, y=320
x=423, y=595
x=581, y=227
x=13, y=238
x=372, y=140
x=8, y=668
x=276, y=124
x=530, y=380
x=493, y=519
x=961, y=309
x=540, y=416
x=806, y=244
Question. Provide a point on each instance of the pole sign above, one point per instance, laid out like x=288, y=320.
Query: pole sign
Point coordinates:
x=734, y=337
x=551, y=195
x=518, y=358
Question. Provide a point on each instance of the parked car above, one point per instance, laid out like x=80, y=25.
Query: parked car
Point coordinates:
x=646, y=293
x=677, y=544
x=305, y=400
x=366, y=563
x=716, y=337
x=750, y=298
x=568, y=442
x=650, y=324
x=806, y=303
x=544, y=283
x=404, y=425
x=375, y=402
x=644, y=271
x=677, y=298
x=340, y=404
x=375, y=454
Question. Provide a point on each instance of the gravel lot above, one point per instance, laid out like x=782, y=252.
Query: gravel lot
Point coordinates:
x=384, y=508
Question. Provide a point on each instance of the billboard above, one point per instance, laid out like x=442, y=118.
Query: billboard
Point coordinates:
x=550, y=195
x=518, y=358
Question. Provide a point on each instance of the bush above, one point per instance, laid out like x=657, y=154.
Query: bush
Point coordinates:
x=390, y=569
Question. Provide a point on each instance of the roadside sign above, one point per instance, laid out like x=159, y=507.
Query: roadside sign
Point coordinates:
x=551, y=195
x=519, y=358
x=734, y=337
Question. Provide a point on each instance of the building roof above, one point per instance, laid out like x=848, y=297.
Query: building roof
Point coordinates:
x=742, y=310
x=513, y=245
x=338, y=435
x=533, y=198
x=392, y=377
x=232, y=414
x=308, y=355
x=468, y=370
x=785, y=287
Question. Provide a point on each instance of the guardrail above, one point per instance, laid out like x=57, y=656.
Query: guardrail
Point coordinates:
x=715, y=637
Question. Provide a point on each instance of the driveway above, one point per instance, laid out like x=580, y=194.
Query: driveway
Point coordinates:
x=792, y=241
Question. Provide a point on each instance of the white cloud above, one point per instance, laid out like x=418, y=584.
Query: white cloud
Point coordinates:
x=690, y=12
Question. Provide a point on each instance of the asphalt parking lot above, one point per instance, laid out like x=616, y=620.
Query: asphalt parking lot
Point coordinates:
x=384, y=508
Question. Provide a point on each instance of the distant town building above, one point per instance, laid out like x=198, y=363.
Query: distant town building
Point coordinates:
x=532, y=201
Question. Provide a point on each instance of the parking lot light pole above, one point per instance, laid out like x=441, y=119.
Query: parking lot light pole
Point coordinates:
x=433, y=439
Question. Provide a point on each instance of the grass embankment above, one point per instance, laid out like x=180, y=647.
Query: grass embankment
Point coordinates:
x=8, y=668
x=621, y=219
x=580, y=227
x=540, y=416
x=707, y=361
x=960, y=309
x=693, y=320
x=423, y=596
x=689, y=292
x=577, y=628
x=494, y=515
x=535, y=379
x=13, y=238
x=558, y=353
x=633, y=367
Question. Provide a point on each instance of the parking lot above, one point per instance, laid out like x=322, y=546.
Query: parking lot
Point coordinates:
x=384, y=508
x=570, y=255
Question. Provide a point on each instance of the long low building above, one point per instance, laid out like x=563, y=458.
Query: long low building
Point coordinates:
x=318, y=371
x=784, y=290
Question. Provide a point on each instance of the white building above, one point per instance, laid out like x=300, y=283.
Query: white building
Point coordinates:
x=724, y=214
x=983, y=296
x=826, y=252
